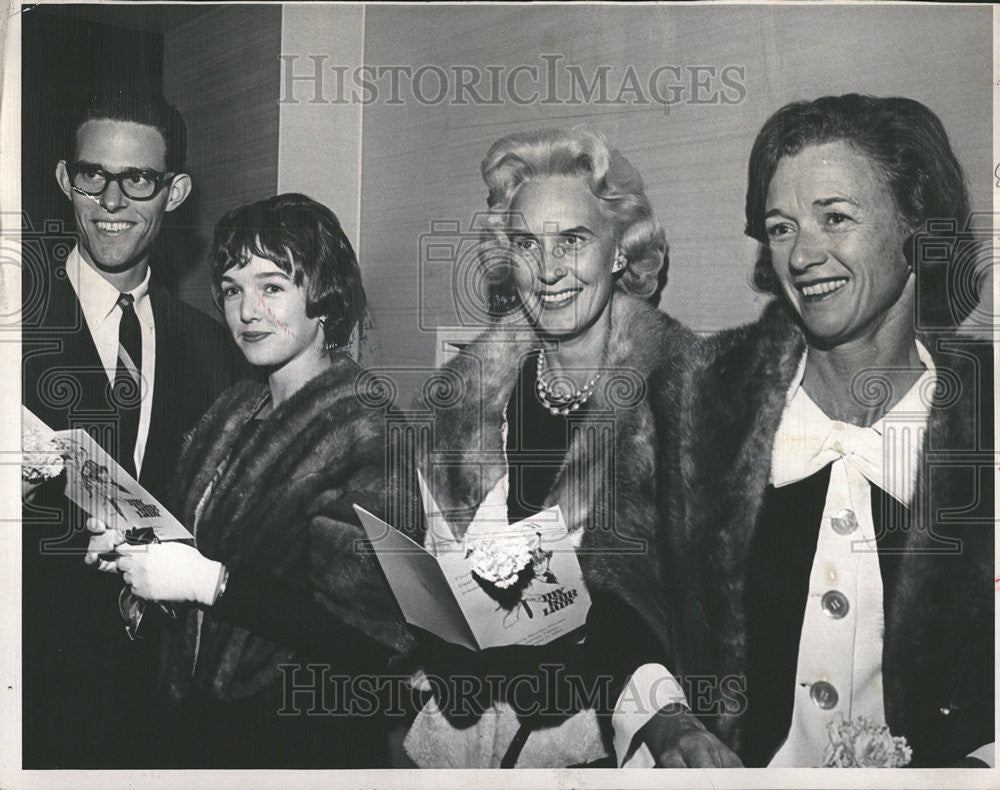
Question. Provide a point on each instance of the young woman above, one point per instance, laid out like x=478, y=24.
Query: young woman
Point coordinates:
x=288, y=611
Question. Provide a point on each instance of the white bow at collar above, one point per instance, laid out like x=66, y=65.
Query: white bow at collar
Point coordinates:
x=887, y=454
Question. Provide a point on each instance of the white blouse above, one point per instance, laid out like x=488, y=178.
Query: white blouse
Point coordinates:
x=839, y=669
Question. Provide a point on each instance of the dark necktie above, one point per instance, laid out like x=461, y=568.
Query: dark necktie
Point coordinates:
x=128, y=381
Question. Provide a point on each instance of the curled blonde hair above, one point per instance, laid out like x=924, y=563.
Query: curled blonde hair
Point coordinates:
x=525, y=156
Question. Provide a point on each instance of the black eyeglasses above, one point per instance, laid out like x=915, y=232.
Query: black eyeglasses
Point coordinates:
x=135, y=183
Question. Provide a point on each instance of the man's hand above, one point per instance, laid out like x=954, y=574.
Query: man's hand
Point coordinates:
x=676, y=739
x=102, y=541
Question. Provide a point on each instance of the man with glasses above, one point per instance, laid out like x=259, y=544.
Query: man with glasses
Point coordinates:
x=113, y=352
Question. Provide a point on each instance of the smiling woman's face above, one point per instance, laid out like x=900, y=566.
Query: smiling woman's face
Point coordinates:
x=836, y=242
x=266, y=313
x=565, y=248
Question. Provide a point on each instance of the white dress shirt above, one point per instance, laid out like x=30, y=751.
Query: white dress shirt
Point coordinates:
x=99, y=302
x=839, y=668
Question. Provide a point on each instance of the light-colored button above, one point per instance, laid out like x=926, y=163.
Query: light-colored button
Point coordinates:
x=823, y=695
x=844, y=522
x=838, y=447
x=835, y=604
x=838, y=425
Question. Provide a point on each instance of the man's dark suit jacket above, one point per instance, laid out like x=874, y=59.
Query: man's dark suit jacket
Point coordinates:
x=89, y=695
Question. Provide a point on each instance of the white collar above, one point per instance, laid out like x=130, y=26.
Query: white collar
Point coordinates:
x=97, y=296
x=807, y=439
x=922, y=353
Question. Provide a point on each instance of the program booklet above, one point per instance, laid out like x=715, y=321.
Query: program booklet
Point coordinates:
x=94, y=480
x=519, y=584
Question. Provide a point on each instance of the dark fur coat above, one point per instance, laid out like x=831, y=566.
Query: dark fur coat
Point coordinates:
x=281, y=508
x=938, y=648
x=606, y=483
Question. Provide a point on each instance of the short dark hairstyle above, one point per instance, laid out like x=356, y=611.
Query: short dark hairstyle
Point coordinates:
x=146, y=108
x=906, y=143
x=304, y=239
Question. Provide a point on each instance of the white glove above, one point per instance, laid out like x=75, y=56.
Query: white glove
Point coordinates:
x=169, y=572
x=102, y=541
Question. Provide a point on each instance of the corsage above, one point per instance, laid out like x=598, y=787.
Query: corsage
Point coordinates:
x=862, y=743
x=42, y=458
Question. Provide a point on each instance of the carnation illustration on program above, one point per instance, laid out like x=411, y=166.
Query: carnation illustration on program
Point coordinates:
x=507, y=567
x=500, y=561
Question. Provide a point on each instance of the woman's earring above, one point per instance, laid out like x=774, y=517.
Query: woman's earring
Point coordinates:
x=322, y=320
x=620, y=261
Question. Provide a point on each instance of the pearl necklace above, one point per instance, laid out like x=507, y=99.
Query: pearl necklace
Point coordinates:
x=570, y=404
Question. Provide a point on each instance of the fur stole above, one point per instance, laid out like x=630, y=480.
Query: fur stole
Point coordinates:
x=606, y=483
x=280, y=504
x=938, y=648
